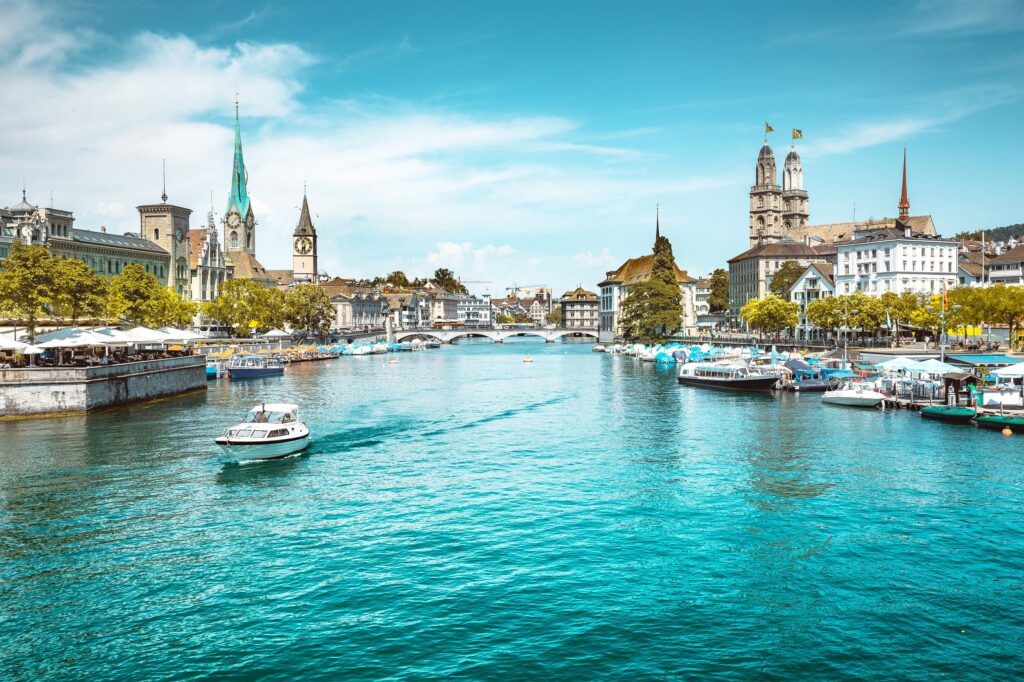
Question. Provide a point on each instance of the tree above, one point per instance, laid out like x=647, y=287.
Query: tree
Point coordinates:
x=867, y=313
x=446, y=279
x=1006, y=305
x=927, y=315
x=555, y=316
x=27, y=284
x=132, y=295
x=167, y=309
x=78, y=291
x=785, y=277
x=397, y=279
x=899, y=308
x=653, y=309
x=771, y=314
x=247, y=306
x=718, y=299
x=515, y=317
x=825, y=313
x=308, y=307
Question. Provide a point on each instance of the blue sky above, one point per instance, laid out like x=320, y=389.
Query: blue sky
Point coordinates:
x=512, y=141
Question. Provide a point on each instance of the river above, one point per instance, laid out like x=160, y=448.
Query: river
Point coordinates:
x=463, y=513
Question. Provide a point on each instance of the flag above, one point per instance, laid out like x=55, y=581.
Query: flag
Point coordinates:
x=945, y=297
x=798, y=134
x=888, y=321
x=768, y=128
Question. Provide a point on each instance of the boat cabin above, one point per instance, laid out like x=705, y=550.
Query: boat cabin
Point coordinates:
x=272, y=414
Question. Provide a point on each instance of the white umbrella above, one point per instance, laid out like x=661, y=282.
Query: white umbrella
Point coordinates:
x=1013, y=371
x=934, y=366
x=179, y=334
x=901, y=363
x=7, y=343
x=276, y=334
x=71, y=337
x=147, y=335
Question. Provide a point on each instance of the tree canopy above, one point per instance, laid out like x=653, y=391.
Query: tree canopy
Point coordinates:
x=27, y=284
x=771, y=314
x=718, y=299
x=308, y=307
x=785, y=277
x=653, y=309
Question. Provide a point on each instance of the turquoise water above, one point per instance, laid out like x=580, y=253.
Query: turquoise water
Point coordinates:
x=465, y=514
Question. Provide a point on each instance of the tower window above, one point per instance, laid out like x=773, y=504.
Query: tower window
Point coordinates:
x=156, y=234
x=234, y=240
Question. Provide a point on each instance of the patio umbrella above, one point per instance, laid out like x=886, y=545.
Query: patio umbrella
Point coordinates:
x=934, y=366
x=901, y=363
x=7, y=343
x=1011, y=372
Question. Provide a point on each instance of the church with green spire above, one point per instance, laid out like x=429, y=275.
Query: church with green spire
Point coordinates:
x=240, y=221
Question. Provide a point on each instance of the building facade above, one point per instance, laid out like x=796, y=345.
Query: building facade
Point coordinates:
x=475, y=311
x=580, y=309
x=751, y=272
x=897, y=260
x=1008, y=267
x=359, y=310
x=208, y=269
x=816, y=282
x=167, y=226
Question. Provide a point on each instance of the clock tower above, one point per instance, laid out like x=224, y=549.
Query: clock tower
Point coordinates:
x=304, y=261
x=167, y=226
x=239, y=220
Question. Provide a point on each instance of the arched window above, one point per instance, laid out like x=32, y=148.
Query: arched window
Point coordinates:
x=760, y=202
x=110, y=267
x=234, y=240
x=156, y=234
x=248, y=239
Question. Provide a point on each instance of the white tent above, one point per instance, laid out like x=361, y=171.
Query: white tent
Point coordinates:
x=276, y=334
x=1011, y=372
x=71, y=337
x=901, y=363
x=934, y=366
x=147, y=335
x=7, y=343
x=179, y=334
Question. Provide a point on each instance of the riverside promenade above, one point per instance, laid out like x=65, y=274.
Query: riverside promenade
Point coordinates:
x=35, y=391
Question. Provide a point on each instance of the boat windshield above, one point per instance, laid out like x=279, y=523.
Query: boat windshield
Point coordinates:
x=261, y=417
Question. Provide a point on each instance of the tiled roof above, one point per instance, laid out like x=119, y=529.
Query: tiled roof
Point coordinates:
x=897, y=232
x=782, y=250
x=579, y=294
x=838, y=232
x=120, y=241
x=637, y=270
x=247, y=267
x=196, y=243
x=1014, y=255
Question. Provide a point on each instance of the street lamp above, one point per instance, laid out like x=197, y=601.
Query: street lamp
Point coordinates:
x=942, y=344
x=846, y=336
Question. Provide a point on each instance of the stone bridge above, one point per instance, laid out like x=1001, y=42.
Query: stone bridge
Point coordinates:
x=496, y=335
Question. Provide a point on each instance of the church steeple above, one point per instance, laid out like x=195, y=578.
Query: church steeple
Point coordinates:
x=304, y=251
x=239, y=194
x=904, y=204
x=239, y=220
x=657, y=223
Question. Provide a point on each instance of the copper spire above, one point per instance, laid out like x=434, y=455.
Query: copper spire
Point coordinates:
x=904, y=204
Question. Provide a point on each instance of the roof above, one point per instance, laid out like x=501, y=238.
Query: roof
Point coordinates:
x=345, y=287
x=247, y=267
x=579, y=294
x=896, y=232
x=196, y=243
x=971, y=268
x=280, y=276
x=305, y=226
x=784, y=249
x=837, y=232
x=1014, y=255
x=120, y=241
x=636, y=270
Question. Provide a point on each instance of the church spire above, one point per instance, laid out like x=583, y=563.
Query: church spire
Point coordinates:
x=657, y=223
x=305, y=226
x=904, y=204
x=239, y=196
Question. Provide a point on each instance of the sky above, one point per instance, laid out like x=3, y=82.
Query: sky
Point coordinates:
x=523, y=143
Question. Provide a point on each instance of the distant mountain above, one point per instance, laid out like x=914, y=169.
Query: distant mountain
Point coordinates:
x=995, y=234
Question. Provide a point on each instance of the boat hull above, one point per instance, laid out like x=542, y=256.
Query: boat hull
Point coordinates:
x=236, y=373
x=997, y=422
x=746, y=384
x=808, y=386
x=852, y=401
x=950, y=416
x=244, y=452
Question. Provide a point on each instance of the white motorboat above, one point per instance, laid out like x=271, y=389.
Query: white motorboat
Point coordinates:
x=853, y=394
x=269, y=431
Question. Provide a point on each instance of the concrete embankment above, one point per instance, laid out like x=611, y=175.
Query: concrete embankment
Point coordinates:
x=74, y=390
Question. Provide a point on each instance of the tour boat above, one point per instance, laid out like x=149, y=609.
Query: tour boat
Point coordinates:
x=728, y=377
x=269, y=431
x=854, y=395
x=949, y=413
x=998, y=422
x=254, y=367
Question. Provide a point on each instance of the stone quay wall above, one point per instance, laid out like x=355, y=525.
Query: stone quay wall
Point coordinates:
x=71, y=390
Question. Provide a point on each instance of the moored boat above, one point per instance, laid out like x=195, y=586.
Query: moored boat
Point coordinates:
x=254, y=367
x=214, y=369
x=998, y=422
x=853, y=394
x=269, y=431
x=949, y=413
x=730, y=377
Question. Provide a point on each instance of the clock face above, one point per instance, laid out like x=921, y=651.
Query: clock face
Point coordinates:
x=179, y=234
x=303, y=245
x=234, y=220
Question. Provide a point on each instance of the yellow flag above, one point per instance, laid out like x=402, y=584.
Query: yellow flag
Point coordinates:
x=768, y=128
x=253, y=324
x=798, y=134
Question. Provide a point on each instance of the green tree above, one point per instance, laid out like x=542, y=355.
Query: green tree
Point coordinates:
x=397, y=279
x=927, y=315
x=653, y=309
x=308, y=307
x=900, y=308
x=78, y=291
x=771, y=314
x=785, y=277
x=1005, y=305
x=133, y=294
x=27, y=284
x=167, y=309
x=247, y=306
x=867, y=313
x=446, y=279
x=718, y=299
x=826, y=313
x=555, y=316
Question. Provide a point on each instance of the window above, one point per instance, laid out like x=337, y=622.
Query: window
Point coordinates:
x=234, y=240
x=156, y=234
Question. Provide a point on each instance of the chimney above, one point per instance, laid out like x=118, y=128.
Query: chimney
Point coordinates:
x=103, y=229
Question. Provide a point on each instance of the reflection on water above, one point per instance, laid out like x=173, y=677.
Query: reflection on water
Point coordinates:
x=462, y=513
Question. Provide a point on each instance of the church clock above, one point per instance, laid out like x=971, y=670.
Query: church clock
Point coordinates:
x=303, y=245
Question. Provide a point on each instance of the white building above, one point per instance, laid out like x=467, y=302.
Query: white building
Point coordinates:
x=363, y=310
x=474, y=311
x=1008, y=267
x=815, y=282
x=898, y=260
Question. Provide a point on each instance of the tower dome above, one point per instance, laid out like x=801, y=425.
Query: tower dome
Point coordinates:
x=792, y=172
